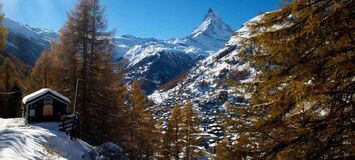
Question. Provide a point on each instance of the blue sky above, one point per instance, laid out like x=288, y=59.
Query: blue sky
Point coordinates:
x=162, y=19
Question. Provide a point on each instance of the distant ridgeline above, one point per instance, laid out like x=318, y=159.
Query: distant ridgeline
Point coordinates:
x=26, y=42
x=151, y=61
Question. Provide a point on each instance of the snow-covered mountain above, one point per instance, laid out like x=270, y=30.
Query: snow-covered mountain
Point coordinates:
x=205, y=84
x=26, y=42
x=151, y=61
x=155, y=62
x=212, y=33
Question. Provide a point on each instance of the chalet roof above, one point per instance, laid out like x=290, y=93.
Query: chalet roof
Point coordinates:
x=42, y=92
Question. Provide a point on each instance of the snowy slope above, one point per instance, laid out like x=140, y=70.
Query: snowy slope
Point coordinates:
x=29, y=32
x=205, y=84
x=206, y=88
x=144, y=56
x=212, y=33
x=40, y=141
x=44, y=141
x=26, y=42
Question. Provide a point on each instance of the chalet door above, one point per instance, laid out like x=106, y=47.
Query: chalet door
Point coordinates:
x=48, y=108
x=47, y=111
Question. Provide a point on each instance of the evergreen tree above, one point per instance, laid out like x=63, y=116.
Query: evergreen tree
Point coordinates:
x=303, y=94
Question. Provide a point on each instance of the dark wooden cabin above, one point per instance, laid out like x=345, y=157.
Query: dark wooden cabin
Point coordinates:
x=45, y=105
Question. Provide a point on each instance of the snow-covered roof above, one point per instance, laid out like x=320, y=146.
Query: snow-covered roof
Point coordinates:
x=42, y=92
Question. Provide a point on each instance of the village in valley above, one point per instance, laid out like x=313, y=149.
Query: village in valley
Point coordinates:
x=281, y=85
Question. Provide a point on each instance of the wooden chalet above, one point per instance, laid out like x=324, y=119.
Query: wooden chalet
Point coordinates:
x=45, y=105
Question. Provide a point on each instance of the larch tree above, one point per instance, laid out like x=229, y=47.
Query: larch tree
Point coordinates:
x=84, y=55
x=134, y=114
x=224, y=150
x=11, y=88
x=3, y=32
x=304, y=91
x=42, y=72
x=99, y=86
x=174, y=139
x=140, y=142
x=190, y=126
x=3, y=35
x=159, y=134
x=149, y=136
x=12, y=73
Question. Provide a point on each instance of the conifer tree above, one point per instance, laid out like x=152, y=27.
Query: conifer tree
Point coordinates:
x=139, y=139
x=135, y=111
x=3, y=34
x=303, y=94
x=224, y=150
x=160, y=146
x=149, y=136
x=42, y=72
x=84, y=54
x=10, y=81
x=12, y=74
x=173, y=139
x=190, y=123
x=3, y=31
x=117, y=131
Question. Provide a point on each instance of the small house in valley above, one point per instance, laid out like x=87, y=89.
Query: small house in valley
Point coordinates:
x=45, y=105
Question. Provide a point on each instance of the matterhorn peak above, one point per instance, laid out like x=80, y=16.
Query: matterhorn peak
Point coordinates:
x=211, y=30
x=211, y=13
x=212, y=26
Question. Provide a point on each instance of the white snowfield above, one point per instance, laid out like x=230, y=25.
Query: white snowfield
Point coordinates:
x=39, y=141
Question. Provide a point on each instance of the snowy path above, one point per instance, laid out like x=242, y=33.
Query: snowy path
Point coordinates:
x=39, y=141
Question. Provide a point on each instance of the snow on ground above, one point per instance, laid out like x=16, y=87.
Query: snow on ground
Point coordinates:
x=39, y=141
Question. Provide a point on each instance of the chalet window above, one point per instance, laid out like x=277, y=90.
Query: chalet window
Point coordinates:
x=32, y=112
x=48, y=101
